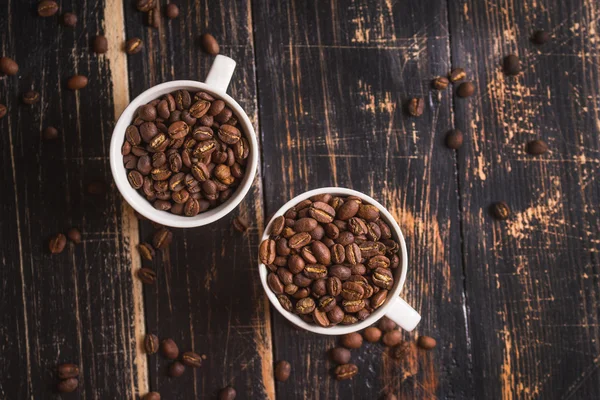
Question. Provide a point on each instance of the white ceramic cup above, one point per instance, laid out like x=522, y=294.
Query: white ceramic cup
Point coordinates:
x=216, y=84
x=394, y=308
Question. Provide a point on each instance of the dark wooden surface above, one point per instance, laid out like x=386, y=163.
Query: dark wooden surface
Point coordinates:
x=514, y=304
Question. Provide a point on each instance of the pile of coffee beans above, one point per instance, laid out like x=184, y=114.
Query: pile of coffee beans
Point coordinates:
x=184, y=152
x=331, y=259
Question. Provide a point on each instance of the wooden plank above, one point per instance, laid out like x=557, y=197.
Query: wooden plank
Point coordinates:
x=208, y=297
x=533, y=280
x=333, y=79
x=76, y=306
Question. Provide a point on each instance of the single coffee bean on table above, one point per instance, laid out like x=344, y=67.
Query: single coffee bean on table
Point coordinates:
x=416, y=107
x=501, y=210
x=282, y=370
x=66, y=371
x=47, y=8
x=151, y=396
x=392, y=338
x=227, y=393
x=372, y=334
x=151, y=343
x=347, y=371
x=172, y=11
x=340, y=355
x=440, y=83
x=134, y=46
x=8, y=66
x=146, y=251
x=537, y=147
x=67, y=385
x=386, y=324
x=209, y=44
x=454, y=139
x=191, y=359
x=162, y=238
x=50, y=133
x=57, y=243
x=31, y=97
x=147, y=276
x=465, y=89
x=77, y=82
x=74, y=235
x=100, y=45
x=512, y=65
x=176, y=369
x=3, y=111
x=426, y=342
x=457, y=74
x=69, y=19
x=352, y=340
x=169, y=349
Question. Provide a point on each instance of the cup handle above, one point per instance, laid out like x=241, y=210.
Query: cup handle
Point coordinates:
x=403, y=314
x=220, y=73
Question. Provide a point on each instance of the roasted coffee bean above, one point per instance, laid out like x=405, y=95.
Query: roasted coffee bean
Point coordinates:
x=372, y=334
x=304, y=224
x=512, y=65
x=336, y=315
x=176, y=369
x=74, y=235
x=57, y=243
x=382, y=277
x=151, y=343
x=440, y=83
x=47, y=8
x=209, y=44
x=378, y=262
x=457, y=74
x=321, y=253
x=192, y=207
x=352, y=291
x=500, y=210
x=346, y=371
x=151, y=396
x=352, y=340
x=322, y=212
x=145, y=5
x=338, y=254
x=69, y=19
x=416, y=107
x=66, y=371
x=146, y=251
x=172, y=12
x=401, y=350
x=340, y=355
x=332, y=231
x=8, y=66
x=540, y=37
x=392, y=338
x=134, y=46
x=77, y=82
x=465, y=89
x=162, y=238
x=275, y=283
x=378, y=299
x=191, y=359
x=68, y=385
x=357, y=226
x=299, y=240
x=229, y=134
x=240, y=224
x=147, y=276
x=315, y=271
x=100, y=45
x=368, y=212
x=353, y=306
x=334, y=286
x=285, y=302
x=136, y=180
x=426, y=342
x=305, y=306
x=169, y=349
x=267, y=251
x=327, y=303
x=162, y=204
x=537, y=147
x=31, y=97
x=386, y=324
x=50, y=133
x=347, y=210
x=353, y=254
x=3, y=111
x=227, y=393
x=285, y=275
x=320, y=318
x=454, y=139
x=282, y=371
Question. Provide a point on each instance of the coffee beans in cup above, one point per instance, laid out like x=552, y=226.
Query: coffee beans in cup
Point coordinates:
x=331, y=259
x=185, y=153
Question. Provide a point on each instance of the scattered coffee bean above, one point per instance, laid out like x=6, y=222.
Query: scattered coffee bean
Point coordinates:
x=47, y=8
x=240, y=224
x=68, y=385
x=146, y=251
x=134, y=46
x=537, y=147
x=3, y=111
x=176, y=369
x=147, y=276
x=8, y=66
x=440, y=83
x=209, y=44
x=169, y=349
x=346, y=371
x=457, y=74
x=465, y=89
x=454, y=139
x=512, y=65
x=57, y=243
x=66, y=371
x=352, y=340
x=426, y=342
x=162, y=238
x=69, y=20
x=191, y=359
x=31, y=97
x=416, y=107
x=145, y=5
x=282, y=371
x=50, y=133
x=74, y=235
x=100, y=44
x=77, y=82
x=401, y=350
x=540, y=37
x=151, y=343
x=372, y=334
x=340, y=355
x=172, y=11
x=392, y=338
x=386, y=324
x=227, y=393
x=97, y=188
x=151, y=396
x=500, y=210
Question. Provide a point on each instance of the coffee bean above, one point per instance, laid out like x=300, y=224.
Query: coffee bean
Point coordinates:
x=210, y=45
x=352, y=340
x=346, y=371
x=305, y=224
x=372, y=334
x=172, y=11
x=267, y=251
x=392, y=338
x=74, y=235
x=320, y=318
x=401, y=351
x=416, y=107
x=69, y=20
x=457, y=74
x=47, y=8
x=512, y=65
x=169, y=349
x=57, y=243
x=352, y=291
x=340, y=355
x=31, y=97
x=465, y=89
x=299, y=240
x=8, y=66
x=500, y=210
x=386, y=324
x=3, y=111
x=66, y=371
x=282, y=371
x=383, y=278
x=151, y=343
x=134, y=46
x=378, y=299
x=336, y=315
x=151, y=396
x=227, y=393
x=68, y=385
x=100, y=45
x=50, y=133
x=353, y=254
x=77, y=82
x=346, y=211
x=162, y=238
x=540, y=37
x=145, y=5
x=305, y=306
x=176, y=369
x=440, y=83
x=454, y=139
x=426, y=342
x=537, y=147
x=322, y=212
x=191, y=359
x=147, y=276
x=146, y=251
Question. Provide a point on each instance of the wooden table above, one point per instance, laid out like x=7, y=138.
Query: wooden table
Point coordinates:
x=514, y=304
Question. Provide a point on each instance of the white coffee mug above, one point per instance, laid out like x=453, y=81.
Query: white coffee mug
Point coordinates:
x=394, y=308
x=216, y=84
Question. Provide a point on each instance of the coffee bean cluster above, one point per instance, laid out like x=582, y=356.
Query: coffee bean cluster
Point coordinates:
x=184, y=152
x=331, y=259
x=68, y=375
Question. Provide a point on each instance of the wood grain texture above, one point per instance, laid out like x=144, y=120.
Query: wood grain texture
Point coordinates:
x=333, y=81
x=532, y=281
x=208, y=297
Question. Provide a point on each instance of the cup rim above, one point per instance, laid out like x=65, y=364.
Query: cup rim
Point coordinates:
x=377, y=314
x=143, y=206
